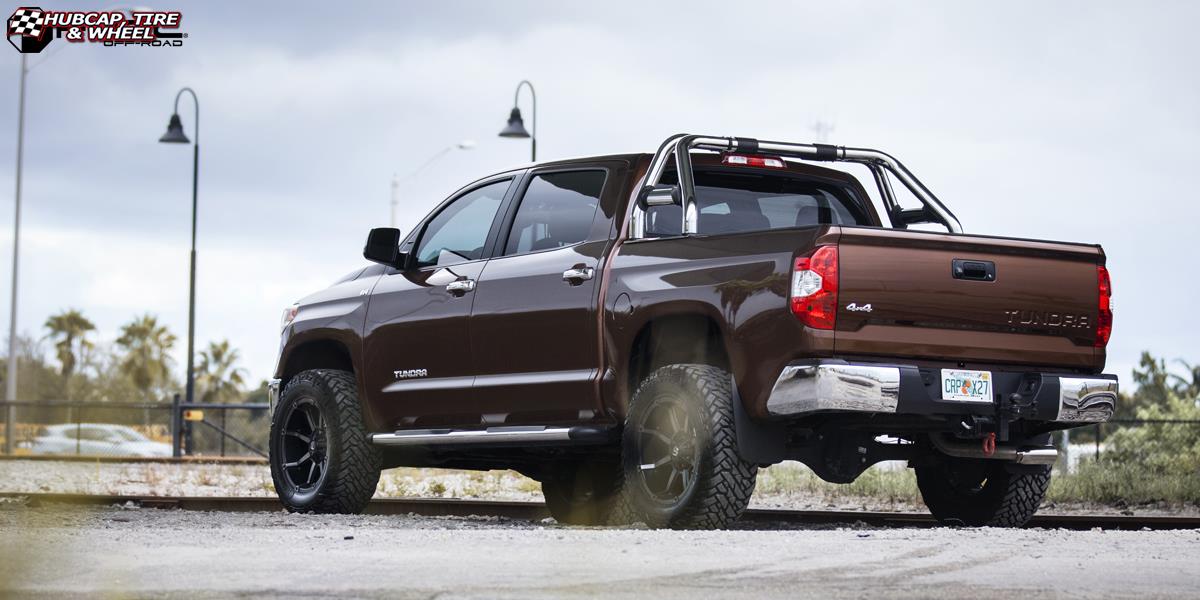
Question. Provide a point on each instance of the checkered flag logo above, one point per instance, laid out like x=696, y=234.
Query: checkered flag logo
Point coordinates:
x=26, y=22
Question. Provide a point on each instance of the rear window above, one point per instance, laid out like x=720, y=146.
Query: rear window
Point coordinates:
x=739, y=202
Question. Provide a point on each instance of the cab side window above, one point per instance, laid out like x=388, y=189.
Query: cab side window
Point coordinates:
x=556, y=211
x=459, y=233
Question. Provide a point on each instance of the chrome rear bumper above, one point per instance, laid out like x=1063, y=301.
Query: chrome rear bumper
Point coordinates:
x=833, y=386
x=1083, y=400
x=808, y=388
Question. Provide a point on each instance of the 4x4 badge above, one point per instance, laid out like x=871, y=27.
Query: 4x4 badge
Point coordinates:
x=856, y=308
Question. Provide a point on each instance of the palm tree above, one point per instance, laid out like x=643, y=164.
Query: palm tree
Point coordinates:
x=147, y=360
x=217, y=375
x=69, y=329
x=1188, y=387
x=1153, y=385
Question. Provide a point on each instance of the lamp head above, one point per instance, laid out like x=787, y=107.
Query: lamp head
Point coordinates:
x=174, y=134
x=516, y=125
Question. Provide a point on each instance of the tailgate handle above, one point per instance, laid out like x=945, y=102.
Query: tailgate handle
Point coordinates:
x=973, y=270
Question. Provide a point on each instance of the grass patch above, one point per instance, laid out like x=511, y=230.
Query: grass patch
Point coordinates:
x=1103, y=483
x=1110, y=483
x=877, y=485
x=1118, y=484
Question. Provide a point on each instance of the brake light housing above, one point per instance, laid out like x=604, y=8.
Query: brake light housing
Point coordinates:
x=1105, y=319
x=747, y=160
x=814, y=289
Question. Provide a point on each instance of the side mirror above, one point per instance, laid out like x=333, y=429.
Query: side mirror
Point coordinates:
x=383, y=247
x=659, y=195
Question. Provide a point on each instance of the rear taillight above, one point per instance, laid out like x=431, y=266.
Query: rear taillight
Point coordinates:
x=815, y=288
x=742, y=160
x=1104, y=322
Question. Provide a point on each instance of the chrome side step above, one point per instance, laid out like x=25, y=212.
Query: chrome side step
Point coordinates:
x=511, y=435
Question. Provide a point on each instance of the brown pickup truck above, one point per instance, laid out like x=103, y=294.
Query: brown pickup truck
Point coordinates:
x=640, y=333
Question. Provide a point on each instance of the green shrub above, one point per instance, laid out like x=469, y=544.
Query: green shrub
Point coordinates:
x=1169, y=450
x=1148, y=462
x=1119, y=484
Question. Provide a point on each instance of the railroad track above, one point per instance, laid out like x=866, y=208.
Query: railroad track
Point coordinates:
x=534, y=511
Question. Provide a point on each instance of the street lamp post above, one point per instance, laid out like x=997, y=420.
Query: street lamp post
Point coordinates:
x=10, y=394
x=463, y=145
x=175, y=135
x=516, y=125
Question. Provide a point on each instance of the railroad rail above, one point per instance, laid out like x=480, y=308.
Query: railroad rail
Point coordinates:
x=534, y=511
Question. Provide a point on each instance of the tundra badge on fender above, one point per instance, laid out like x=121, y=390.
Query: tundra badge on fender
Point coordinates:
x=410, y=373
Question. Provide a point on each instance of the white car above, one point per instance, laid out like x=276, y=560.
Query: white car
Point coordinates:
x=96, y=439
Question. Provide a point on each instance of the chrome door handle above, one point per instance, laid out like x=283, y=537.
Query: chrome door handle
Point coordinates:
x=575, y=276
x=461, y=286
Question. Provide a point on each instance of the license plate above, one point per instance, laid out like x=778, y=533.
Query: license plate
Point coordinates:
x=966, y=386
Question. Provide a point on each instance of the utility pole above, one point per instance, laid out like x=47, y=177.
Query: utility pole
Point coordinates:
x=395, y=198
x=10, y=394
x=821, y=130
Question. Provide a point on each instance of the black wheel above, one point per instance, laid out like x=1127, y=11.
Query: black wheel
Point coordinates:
x=679, y=458
x=581, y=492
x=322, y=459
x=982, y=492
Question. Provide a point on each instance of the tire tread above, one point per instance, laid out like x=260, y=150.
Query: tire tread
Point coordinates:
x=352, y=480
x=1007, y=499
x=727, y=483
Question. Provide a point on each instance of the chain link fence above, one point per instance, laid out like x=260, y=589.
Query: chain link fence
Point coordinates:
x=135, y=429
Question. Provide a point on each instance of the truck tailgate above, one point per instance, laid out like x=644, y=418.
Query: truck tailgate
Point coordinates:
x=900, y=294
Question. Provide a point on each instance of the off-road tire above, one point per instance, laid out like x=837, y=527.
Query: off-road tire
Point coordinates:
x=353, y=462
x=723, y=481
x=581, y=492
x=981, y=492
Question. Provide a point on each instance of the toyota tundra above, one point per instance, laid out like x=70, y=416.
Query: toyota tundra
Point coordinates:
x=640, y=333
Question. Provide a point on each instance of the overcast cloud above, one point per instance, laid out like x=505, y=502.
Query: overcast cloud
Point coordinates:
x=1073, y=121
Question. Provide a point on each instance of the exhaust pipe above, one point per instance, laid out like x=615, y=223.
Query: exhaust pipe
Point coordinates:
x=1027, y=455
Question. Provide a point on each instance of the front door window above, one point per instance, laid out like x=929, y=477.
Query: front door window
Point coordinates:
x=459, y=233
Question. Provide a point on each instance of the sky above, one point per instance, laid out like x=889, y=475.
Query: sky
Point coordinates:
x=1071, y=121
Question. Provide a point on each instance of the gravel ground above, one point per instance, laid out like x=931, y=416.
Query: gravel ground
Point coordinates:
x=781, y=486
x=199, y=479
x=118, y=552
